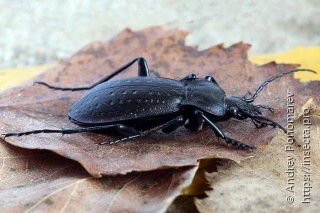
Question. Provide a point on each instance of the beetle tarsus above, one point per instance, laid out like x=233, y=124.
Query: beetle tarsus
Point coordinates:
x=238, y=143
x=260, y=119
x=117, y=127
x=61, y=88
x=18, y=134
x=260, y=124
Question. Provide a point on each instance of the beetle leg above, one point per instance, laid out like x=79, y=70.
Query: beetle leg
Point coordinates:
x=269, y=122
x=143, y=71
x=131, y=137
x=195, y=122
x=174, y=124
x=220, y=134
x=33, y=132
x=166, y=127
x=259, y=124
x=117, y=127
x=265, y=107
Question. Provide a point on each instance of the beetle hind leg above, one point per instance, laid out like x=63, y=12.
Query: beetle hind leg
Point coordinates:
x=143, y=71
x=117, y=127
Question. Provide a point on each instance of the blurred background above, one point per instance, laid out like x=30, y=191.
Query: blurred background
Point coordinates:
x=42, y=31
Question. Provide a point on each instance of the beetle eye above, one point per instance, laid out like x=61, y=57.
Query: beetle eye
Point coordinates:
x=234, y=111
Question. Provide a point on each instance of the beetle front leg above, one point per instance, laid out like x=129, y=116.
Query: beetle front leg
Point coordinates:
x=143, y=71
x=259, y=124
x=220, y=134
x=269, y=122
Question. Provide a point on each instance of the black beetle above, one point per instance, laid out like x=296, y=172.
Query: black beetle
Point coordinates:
x=140, y=106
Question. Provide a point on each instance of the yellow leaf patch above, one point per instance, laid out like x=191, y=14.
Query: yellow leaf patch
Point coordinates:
x=307, y=57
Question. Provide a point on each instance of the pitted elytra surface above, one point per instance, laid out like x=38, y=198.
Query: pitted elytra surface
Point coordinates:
x=112, y=104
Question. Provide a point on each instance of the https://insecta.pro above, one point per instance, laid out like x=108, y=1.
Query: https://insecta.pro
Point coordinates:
x=139, y=106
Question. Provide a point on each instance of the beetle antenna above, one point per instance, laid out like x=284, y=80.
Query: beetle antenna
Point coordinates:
x=249, y=100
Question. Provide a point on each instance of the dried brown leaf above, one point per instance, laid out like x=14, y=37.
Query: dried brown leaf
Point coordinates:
x=41, y=181
x=264, y=183
x=35, y=107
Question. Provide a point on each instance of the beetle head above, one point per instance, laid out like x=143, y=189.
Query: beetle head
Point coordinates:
x=240, y=109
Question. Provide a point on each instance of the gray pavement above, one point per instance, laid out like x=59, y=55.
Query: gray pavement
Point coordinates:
x=42, y=31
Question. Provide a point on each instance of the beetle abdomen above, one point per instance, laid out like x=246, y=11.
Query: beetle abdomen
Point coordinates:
x=126, y=99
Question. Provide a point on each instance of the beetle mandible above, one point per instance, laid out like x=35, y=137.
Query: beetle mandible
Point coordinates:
x=139, y=106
